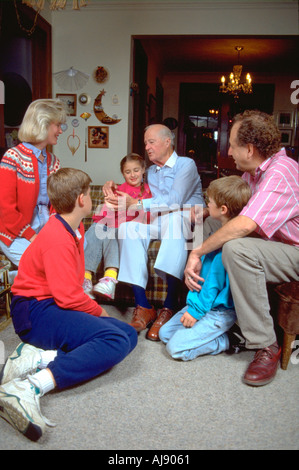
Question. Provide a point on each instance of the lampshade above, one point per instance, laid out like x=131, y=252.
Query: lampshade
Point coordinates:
x=71, y=79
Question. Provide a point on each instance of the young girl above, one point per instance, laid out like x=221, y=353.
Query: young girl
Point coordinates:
x=101, y=237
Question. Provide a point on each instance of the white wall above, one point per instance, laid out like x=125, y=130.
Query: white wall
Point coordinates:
x=100, y=35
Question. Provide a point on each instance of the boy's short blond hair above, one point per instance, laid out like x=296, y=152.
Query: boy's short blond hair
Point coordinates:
x=38, y=117
x=230, y=191
x=65, y=186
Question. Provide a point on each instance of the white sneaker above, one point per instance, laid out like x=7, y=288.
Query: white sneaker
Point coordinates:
x=23, y=361
x=106, y=286
x=19, y=405
x=88, y=287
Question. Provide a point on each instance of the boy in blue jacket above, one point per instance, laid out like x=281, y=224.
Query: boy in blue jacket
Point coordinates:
x=200, y=327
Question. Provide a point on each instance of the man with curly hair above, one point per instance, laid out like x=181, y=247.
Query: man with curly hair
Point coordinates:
x=261, y=245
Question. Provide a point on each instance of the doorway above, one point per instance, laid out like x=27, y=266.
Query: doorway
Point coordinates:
x=205, y=116
x=25, y=65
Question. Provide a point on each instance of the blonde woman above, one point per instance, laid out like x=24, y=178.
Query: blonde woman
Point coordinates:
x=24, y=169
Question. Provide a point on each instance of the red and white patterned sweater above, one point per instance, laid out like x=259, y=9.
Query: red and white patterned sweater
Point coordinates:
x=19, y=188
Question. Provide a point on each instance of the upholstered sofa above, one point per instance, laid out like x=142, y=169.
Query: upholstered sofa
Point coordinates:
x=156, y=288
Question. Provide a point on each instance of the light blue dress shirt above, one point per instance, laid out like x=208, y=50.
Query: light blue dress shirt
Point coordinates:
x=41, y=211
x=177, y=183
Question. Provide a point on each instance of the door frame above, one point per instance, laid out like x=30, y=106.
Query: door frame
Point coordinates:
x=41, y=44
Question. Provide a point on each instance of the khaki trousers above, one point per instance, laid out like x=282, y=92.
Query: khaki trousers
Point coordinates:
x=251, y=263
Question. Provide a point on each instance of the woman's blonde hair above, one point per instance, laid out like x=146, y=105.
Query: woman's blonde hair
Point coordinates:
x=65, y=186
x=38, y=117
x=230, y=191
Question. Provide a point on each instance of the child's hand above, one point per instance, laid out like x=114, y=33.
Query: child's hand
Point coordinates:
x=198, y=214
x=108, y=188
x=187, y=320
x=125, y=200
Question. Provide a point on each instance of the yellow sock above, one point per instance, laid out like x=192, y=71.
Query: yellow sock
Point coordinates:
x=88, y=275
x=110, y=273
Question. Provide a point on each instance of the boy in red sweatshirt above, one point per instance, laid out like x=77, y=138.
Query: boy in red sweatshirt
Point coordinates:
x=67, y=337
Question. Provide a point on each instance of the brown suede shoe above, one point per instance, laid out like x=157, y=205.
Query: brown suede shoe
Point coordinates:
x=263, y=367
x=142, y=317
x=164, y=314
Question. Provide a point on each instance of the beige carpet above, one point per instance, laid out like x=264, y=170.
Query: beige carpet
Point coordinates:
x=151, y=402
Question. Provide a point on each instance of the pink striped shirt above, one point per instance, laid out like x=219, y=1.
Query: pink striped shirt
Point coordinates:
x=274, y=205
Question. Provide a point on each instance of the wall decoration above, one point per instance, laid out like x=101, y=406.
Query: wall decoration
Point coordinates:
x=115, y=100
x=75, y=122
x=71, y=79
x=286, y=136
x=11, y=136
x=285, y=119
x=73, y=142
x=85, y=116
x=84, y=99
x=70, y=102
x=101, y=75
x=98, y=137
x=100, y=113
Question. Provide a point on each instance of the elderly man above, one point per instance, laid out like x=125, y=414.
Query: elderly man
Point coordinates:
x=174, y=183
x=261, y=245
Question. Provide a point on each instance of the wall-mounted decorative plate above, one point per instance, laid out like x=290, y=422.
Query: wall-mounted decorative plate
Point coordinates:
x=75, y=123
x=101, y=75
x=84, y=99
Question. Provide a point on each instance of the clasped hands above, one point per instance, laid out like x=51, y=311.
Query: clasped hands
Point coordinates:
x=117, y=200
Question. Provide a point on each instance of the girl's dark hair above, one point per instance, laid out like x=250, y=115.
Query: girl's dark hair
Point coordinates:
x=133, y=157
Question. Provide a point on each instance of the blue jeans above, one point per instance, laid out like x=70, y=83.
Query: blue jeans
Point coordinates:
x=207, y=336
x=86, y=345
x=15, y=250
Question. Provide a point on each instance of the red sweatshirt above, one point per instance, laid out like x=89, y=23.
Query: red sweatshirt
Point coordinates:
x=53, y=267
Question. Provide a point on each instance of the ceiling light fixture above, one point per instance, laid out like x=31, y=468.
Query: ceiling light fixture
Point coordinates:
x=71, y=79
x=234, y=86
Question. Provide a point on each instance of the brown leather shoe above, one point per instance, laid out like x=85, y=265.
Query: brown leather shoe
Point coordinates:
x=263, y=367
x=142, y=317
x=164, y=314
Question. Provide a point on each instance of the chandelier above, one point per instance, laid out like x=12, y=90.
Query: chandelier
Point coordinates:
x=54, y=4
x=234, y=86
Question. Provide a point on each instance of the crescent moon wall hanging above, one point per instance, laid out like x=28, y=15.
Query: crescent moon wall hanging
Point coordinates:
x=99, y=111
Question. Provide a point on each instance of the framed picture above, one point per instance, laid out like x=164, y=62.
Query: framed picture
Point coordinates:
x=286, y=136
x=11, y=136
x=285, y=119
x=98, y=137
x=70, y=102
